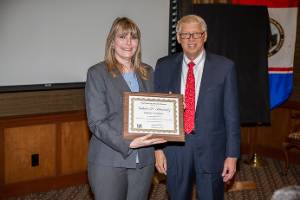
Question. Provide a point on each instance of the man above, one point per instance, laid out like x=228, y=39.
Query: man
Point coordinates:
x=211, y=117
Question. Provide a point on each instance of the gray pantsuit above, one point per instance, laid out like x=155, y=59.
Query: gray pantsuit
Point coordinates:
x=126, y=183
x=112, y=168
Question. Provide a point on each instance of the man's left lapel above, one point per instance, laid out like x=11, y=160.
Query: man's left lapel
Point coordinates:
x=175, y=83
x=204, y=80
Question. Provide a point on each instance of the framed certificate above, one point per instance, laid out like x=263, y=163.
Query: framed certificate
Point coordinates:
x=156, y=113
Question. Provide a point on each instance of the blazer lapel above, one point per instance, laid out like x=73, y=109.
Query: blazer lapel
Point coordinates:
x=141, y=82
x=120, y=83
x=204, y=80
x=175, y=83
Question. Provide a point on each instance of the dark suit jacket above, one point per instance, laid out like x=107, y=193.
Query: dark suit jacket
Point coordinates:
x=217, y=127
x=103, y=95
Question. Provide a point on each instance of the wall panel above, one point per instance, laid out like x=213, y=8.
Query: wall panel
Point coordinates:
x=42, y=152
x=20, y=144
x=74, y=146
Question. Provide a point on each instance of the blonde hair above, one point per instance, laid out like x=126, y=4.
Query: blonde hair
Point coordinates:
x=124, y=25
x=191, y=19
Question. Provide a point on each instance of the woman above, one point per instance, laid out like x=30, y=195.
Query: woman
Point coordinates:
x=117, y=168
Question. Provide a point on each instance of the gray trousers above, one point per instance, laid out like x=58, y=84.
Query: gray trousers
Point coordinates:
x=111, y=183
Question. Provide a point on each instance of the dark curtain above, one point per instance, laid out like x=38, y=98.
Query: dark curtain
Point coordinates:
x=240, y=33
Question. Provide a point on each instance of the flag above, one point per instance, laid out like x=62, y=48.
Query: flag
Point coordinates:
x=283, y=24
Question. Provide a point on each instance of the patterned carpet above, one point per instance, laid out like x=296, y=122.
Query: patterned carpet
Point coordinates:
x=267, y=178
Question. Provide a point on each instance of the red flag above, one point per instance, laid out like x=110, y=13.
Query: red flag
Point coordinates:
x=268, y=3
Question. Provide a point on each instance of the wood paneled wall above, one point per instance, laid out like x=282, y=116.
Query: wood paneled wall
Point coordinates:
x=266, y=140
x=74, y=144
x=20, y=143
x=41, y=102
x=43, y=151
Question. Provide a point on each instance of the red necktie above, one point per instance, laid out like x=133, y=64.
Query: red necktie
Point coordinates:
x=189, y=112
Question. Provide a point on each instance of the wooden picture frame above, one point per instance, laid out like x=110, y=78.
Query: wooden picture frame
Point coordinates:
x=159, y=114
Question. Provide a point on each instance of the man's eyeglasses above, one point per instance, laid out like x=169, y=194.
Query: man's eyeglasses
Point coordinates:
x=195, y=35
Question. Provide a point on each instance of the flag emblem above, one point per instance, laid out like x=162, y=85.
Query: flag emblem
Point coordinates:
x=277, y=37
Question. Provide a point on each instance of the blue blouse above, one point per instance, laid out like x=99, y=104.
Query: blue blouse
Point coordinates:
x=131, y=80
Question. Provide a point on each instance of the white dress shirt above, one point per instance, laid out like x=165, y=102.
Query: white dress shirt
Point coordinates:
x=198, y=71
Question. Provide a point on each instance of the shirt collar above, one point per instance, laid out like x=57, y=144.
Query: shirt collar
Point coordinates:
x=196, y=60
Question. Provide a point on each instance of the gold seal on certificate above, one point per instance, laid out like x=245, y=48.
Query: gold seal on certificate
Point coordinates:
x=153, y=113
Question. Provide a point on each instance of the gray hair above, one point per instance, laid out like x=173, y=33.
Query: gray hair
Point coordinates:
x=191, y=19
x=287, y=193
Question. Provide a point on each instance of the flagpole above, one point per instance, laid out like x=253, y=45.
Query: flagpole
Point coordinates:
x=253, y=159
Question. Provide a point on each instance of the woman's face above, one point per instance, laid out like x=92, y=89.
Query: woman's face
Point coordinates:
x=125, y=45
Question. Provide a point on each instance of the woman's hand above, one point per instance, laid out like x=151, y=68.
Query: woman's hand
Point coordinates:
x=146, y=141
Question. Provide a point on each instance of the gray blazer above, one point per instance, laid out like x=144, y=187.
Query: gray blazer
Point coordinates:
x=103, y=95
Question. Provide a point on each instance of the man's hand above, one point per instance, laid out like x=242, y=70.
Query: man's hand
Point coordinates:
x=229, y=168
x=146, y=141
x=160, y=162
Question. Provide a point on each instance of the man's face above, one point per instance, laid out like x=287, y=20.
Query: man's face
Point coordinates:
x=192, y=39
